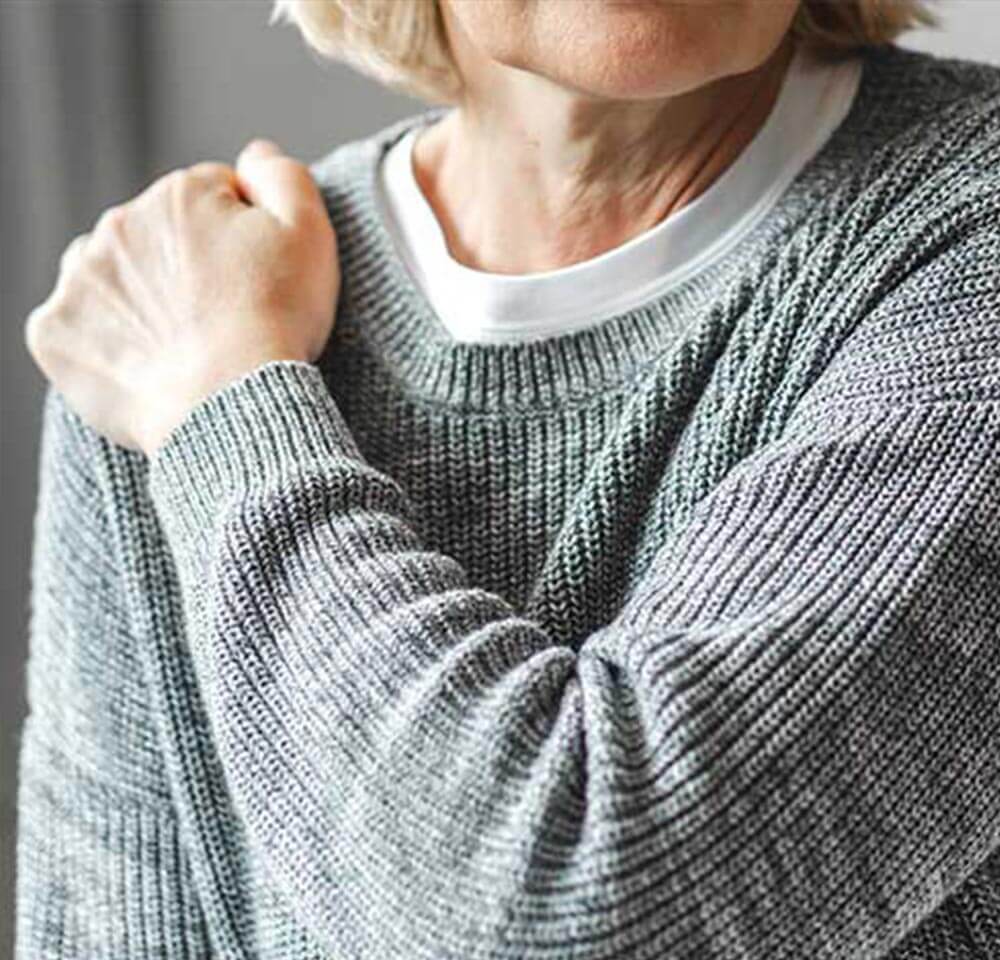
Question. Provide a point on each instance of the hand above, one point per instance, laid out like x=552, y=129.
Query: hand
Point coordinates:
x=204, y=276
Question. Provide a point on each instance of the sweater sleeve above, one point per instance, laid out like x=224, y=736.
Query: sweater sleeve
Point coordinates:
x=786, y=744
x=101, y=870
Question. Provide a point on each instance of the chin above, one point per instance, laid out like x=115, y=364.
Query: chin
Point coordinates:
x=644, y=49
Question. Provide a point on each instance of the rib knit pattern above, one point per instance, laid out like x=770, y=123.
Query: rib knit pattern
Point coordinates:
x=677, y=637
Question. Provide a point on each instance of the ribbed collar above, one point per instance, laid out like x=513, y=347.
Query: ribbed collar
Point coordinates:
x=380, y=300
x=480, y=306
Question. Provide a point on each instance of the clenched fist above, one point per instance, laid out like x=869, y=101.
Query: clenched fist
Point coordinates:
x=205, y=275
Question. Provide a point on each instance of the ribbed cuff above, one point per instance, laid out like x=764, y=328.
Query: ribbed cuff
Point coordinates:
x=100, y=872
x=257, y=429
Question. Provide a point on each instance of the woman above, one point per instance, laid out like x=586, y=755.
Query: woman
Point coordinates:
x=547, y=608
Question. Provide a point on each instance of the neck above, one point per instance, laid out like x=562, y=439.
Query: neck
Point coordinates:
x=528, y=176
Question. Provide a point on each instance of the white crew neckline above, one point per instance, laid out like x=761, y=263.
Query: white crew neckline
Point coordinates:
x=483, y=307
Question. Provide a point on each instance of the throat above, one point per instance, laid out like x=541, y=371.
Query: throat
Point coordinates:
x=504, y=209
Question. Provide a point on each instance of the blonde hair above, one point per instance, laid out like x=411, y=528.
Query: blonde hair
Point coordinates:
x=403, y=43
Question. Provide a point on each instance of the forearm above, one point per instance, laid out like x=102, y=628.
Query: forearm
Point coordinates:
x=783, y=745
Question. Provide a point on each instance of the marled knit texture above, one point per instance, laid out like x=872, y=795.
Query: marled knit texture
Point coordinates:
x=676, y=637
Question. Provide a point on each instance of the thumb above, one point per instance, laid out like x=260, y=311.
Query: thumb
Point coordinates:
x=275, y=181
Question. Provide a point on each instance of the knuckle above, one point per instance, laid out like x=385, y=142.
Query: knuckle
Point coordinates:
x=73, y=250
x=259, y=147
x=112, y=221
x=209, y=170
x=170, y=181
x=36, y=328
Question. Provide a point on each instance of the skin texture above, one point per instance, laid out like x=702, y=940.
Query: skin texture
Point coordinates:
x=207, y=274
x=583, y=124
x=586, y=122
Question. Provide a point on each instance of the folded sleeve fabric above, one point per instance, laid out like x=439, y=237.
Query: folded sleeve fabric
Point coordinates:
x=786, y=743
x=674, y=637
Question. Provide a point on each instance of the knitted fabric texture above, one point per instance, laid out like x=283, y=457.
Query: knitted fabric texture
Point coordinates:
x=675, y=637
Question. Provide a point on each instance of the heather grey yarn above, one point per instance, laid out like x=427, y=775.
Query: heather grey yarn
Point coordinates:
x=675, y=637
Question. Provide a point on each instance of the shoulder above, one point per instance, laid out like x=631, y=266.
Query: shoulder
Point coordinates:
x=919, y=153
x=904, y=93
x=926, y=125
x=927, y=162
x=901, y=244
x=68, y=446
x=919, y=126
x=933, y=79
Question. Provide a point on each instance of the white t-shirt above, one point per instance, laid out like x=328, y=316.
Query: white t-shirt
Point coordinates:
x=483, y=307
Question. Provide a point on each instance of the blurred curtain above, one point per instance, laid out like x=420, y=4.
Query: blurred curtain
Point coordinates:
x=73, y=90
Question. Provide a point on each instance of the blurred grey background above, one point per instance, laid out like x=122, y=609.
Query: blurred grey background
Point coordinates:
x=97, y=98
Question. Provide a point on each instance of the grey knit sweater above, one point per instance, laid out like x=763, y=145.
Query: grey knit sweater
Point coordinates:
x=675, y=637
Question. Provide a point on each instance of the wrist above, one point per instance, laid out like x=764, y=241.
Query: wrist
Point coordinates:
x=168, y=408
